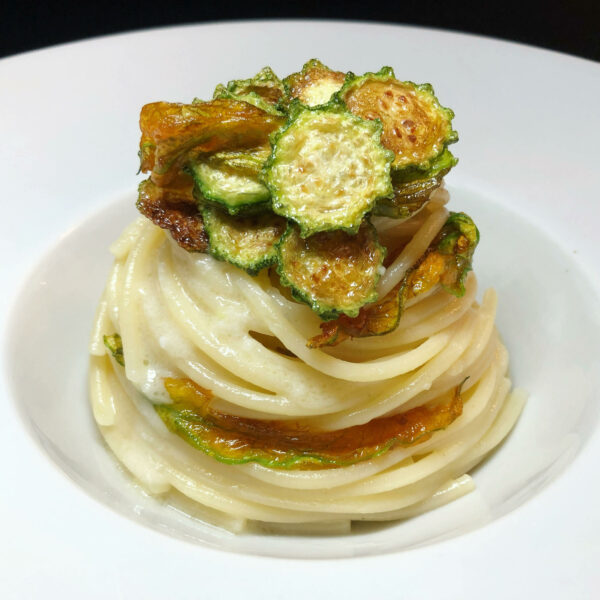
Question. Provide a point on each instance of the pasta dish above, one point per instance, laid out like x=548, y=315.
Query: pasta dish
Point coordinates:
x=290, y=335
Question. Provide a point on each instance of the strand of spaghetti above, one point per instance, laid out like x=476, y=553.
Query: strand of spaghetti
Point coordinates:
x=375, y=370
x=404, y=387
x=466, y=427
x=412, y=251
x=230, y=346
x=372, y=503
x=451, y=311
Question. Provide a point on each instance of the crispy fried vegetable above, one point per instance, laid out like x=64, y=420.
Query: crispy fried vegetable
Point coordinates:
x=447, y=262
x=221, y=92
x=327, y=169
x=247, y=243
x=416, y=127
x=409, y=198
x=265, y=85
x=114, y=344
x=171, y=131
x=249, y=161
x=333, y=272
x=174, y=209
x=378, y=318
x=314, y=84
x=456, y=243
x=412, y=191
x=284, y=445
x=234, y=190
x=438, y=168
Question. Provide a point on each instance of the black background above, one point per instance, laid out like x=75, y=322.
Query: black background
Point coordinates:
x=571, y=26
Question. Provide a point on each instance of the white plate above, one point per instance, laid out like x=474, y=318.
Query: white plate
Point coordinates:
x=529, y=127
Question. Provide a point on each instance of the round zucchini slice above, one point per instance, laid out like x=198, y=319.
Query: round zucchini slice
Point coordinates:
x=416, y=127
x=221, y=92
x=409, y=196
x=265, y=90
x=246, y=242
x=408, y=200
x=314, y=84
x=236, y=190
x=333, y=272
x=249, y=161
x=327, y=169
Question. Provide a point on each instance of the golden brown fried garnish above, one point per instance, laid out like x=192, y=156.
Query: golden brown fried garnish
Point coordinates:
x=269, y=93
x=284, y=444
x=315, y=84
x=446, y=262
x=373, y=319
x=413, y=128
x=174, y=209
x=409, y=198
x=332, y=271
x=170, y=131
x=383, y=316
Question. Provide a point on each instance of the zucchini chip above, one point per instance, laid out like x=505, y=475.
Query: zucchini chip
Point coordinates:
x=221, y=92
x=287, y=445
x=174, y=209
x=230, y=180
x=248, y=161
x=248, y=243
x=409, y=198
x=314, y=84
x=416, y=127
x=265, y=90
x=171, y=131
x=327, y=168
x=447, y=261
x=333, y=272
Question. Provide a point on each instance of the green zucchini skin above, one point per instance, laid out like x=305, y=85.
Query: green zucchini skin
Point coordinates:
x=249, y=243
x=314, y=84
x=114, y=345
x=333, y=272
x=458, y=240
x=416, y=127
x=327, y=168
x=265, y=91
x=234, y=190
x=411, y=195
x=250, y=97
x=438, y=168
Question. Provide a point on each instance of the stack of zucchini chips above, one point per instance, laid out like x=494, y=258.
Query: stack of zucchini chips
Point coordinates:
x=290, y=173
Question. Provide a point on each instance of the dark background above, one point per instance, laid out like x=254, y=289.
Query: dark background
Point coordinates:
x=571, y=26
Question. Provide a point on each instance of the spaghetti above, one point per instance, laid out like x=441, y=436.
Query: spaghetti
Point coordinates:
x=312, y=367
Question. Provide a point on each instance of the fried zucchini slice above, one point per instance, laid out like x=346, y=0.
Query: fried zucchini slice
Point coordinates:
x=221, y=92
x=265, y=90
x=409, y=198
x=378, y=318
x=171, y=131
x=327, y=168
x=416, y=127
x=287, y=445
x=234, y=189
x=248, y=243
x=447, y=261
x=315, y=84
x=333, y=272
x=248, y=161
